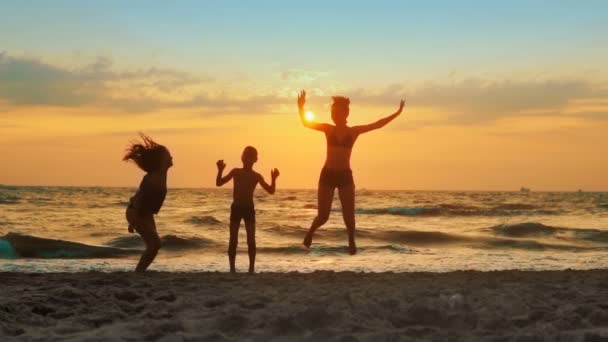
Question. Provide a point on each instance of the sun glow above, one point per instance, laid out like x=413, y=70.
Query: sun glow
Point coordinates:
x=309, y=116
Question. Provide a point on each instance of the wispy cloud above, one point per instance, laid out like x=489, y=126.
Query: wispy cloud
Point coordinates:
x=162, y=131
x=302, y=75
x=477, y=101
x=30, y=82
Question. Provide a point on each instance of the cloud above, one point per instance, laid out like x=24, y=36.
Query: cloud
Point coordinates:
x=161, y=131
x=33, y=82
x=475, y=101
x=302, y=75
x=30, y=82
x=594, y=115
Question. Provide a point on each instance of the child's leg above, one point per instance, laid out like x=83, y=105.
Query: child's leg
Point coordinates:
x=147, y=230
x=232, y=243
x=251, y=248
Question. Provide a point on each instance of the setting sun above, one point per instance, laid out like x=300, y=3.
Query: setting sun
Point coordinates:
x=310, y=116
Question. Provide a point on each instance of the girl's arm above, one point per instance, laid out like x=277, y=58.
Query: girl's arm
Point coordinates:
x=219, y=180
x=380, y=123
x=323, y=127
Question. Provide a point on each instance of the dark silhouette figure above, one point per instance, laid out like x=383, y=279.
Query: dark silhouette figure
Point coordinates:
x=336, y=172
x=155, y=160
x=245, y=181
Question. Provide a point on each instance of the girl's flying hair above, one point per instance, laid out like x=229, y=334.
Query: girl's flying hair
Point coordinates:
x=147, y=155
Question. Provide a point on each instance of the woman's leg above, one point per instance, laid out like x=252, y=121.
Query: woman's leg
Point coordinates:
x=232, y=244
x=147, y=230
x=347, y=198
x=251, y=248
x=325, y=196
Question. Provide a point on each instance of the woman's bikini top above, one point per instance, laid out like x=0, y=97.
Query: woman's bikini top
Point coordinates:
x=347, y=140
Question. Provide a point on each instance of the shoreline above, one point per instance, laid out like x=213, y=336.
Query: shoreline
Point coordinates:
x=131, y=186
x=568, y=305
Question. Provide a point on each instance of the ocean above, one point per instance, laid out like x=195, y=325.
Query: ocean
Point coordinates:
x=75, y=229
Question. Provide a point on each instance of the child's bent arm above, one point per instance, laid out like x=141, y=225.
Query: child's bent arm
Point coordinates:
x=269, y=188
x=219, y=180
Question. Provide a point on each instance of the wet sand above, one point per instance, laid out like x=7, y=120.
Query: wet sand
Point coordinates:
x=320, y=306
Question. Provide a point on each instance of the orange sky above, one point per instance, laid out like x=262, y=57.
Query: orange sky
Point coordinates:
x=489, y=106
x=63, y=147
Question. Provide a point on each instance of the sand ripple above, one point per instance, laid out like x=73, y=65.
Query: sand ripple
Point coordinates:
x=508, y=305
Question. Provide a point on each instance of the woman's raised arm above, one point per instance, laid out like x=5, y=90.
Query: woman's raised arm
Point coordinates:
x=309, y=123
x=380, y=123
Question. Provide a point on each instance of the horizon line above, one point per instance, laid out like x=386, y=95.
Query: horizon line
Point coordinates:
x=296, y=188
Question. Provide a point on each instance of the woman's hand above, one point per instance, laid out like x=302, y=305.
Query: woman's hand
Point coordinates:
x=301, y=99
x=401, y=105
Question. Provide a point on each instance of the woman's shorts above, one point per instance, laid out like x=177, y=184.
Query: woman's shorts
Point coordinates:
x=336, y=178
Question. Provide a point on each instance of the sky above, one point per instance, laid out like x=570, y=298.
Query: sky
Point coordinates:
x=499, y=95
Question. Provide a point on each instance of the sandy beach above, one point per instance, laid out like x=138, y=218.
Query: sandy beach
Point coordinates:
x=493, y=306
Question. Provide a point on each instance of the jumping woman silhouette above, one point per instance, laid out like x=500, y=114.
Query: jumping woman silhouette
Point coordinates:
x=336, y=172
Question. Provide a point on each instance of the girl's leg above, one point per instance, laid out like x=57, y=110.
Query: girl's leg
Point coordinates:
x=347, y=198
x=325, y=196
x=234, y=240
x=147, y=230
x=251, y=248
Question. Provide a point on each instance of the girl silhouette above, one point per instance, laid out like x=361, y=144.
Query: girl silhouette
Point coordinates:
x=155, y=160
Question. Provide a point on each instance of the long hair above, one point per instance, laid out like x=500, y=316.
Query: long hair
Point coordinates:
x=146, y=154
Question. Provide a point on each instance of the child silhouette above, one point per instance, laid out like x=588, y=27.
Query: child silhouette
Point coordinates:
x=245, y=181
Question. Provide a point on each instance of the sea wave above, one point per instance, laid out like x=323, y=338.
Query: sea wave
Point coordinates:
x=524, y=229
x=528, y=236
x=168, y=242
x=203, y=220
x=122, y=204
x=535, y=229
x=507, y=209
x=593, y=235
x=403, y=211
x=15, y=245
x=286, y=230
x=415, y=237
x=320, y=249
x=9, y=199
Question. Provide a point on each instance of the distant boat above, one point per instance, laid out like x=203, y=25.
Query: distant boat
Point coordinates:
x=524, y=190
